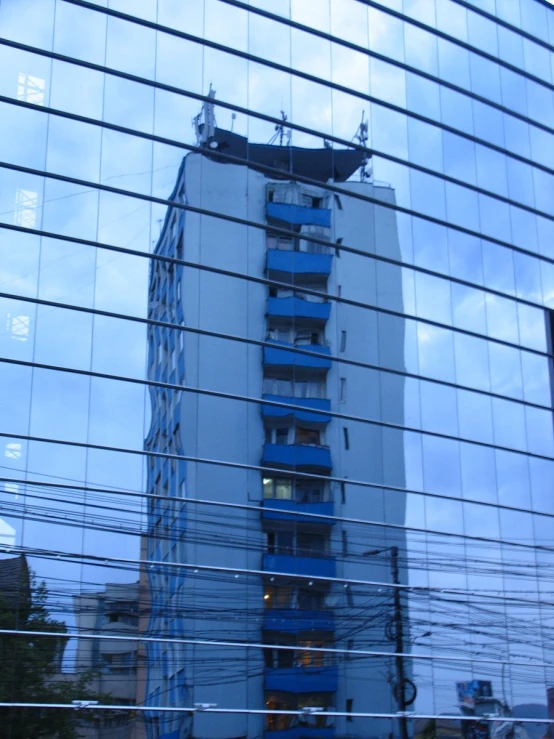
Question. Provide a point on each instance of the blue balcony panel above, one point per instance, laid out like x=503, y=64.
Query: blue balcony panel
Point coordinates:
x=297, y=456
x=298, y=215
x=318, y=359
x=302, y=679
x=298, y=308
x=320, y=404
x=290, y=507
x=303, y=732
x=289, y=263
x=294, y=621
x=291, y=565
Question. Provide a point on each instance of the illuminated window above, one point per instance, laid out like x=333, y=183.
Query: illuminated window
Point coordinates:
x=18, y=326
x=30, y=88
x=26, y=203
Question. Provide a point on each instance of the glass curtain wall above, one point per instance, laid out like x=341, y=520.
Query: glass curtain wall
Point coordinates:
x=277, y=310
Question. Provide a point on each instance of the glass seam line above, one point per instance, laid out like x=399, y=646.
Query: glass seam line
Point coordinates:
x=268, y=344
x=447, y=37
x=261, y=711
x=323, y=517
x=265, y=468
x=248, y=399
x=501, y=22
x=284, y=647
x=272, y=65
x=311, y=132
x=260, y=226
x=296, y=127
x=301, y=178
x=256, y=508
x=274, y=283
x=406, y=19
x=320, y=34
x=389, y=60
x=57, y=520
x=162, y=566
x=426, y=567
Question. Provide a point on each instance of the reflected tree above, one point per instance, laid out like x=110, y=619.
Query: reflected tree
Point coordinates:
x=30, y=664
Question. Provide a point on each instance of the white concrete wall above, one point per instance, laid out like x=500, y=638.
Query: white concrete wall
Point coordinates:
x=232, y=431
x=375, y=454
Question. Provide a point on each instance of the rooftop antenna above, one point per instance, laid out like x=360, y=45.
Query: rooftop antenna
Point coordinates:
x=362, y=136
x=281, y=132
x=204, y=122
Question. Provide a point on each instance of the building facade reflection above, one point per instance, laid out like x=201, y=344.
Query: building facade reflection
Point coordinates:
x=336, y=340
x=288, y=502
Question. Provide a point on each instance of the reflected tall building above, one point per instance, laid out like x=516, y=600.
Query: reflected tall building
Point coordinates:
x=261, y=549
x=312, y=414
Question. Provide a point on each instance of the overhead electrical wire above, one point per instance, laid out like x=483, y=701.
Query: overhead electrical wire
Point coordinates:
x=435, y=601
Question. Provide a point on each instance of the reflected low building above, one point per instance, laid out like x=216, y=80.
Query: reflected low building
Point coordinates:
x=311, y=414
x=285, y=447
x=112, y=612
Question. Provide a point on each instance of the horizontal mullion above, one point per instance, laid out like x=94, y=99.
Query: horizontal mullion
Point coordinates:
x=264, y=227
x=166, y=566
x=273, y=65
x=389, y=60
x=447, y=37
x=303, y=129
x=268, y=645
x=153, y=256
x=406, y=19
x=189, y=710
x=325, y=186
x=258, y=467
x=293, y=349
x=144, y=496
x=373, y=152
x=501, y=22
x=60, y=517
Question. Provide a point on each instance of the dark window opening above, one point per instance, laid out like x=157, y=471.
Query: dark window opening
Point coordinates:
x=307, y=436
x=346, y=438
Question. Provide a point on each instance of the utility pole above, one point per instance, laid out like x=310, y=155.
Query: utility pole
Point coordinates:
x=400, y=688
x=399, y=636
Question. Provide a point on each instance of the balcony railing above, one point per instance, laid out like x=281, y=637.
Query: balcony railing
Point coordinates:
x=290, y=564
x=298, y=215
x=302, y=679
x=296, y=621
x=310, y=404
x=311, y=356
x=303, y=263
x=285, y=510
x=296, y=456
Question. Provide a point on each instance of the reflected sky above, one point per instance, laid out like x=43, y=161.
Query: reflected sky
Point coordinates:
x=453, y=422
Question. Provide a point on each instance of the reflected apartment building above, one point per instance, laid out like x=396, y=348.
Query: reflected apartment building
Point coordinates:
x=112, y=613
x=258, y=550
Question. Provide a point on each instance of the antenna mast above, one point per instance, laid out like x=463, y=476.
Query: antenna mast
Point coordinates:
x=204, y=123
x=362, y=136
x=281, y=132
